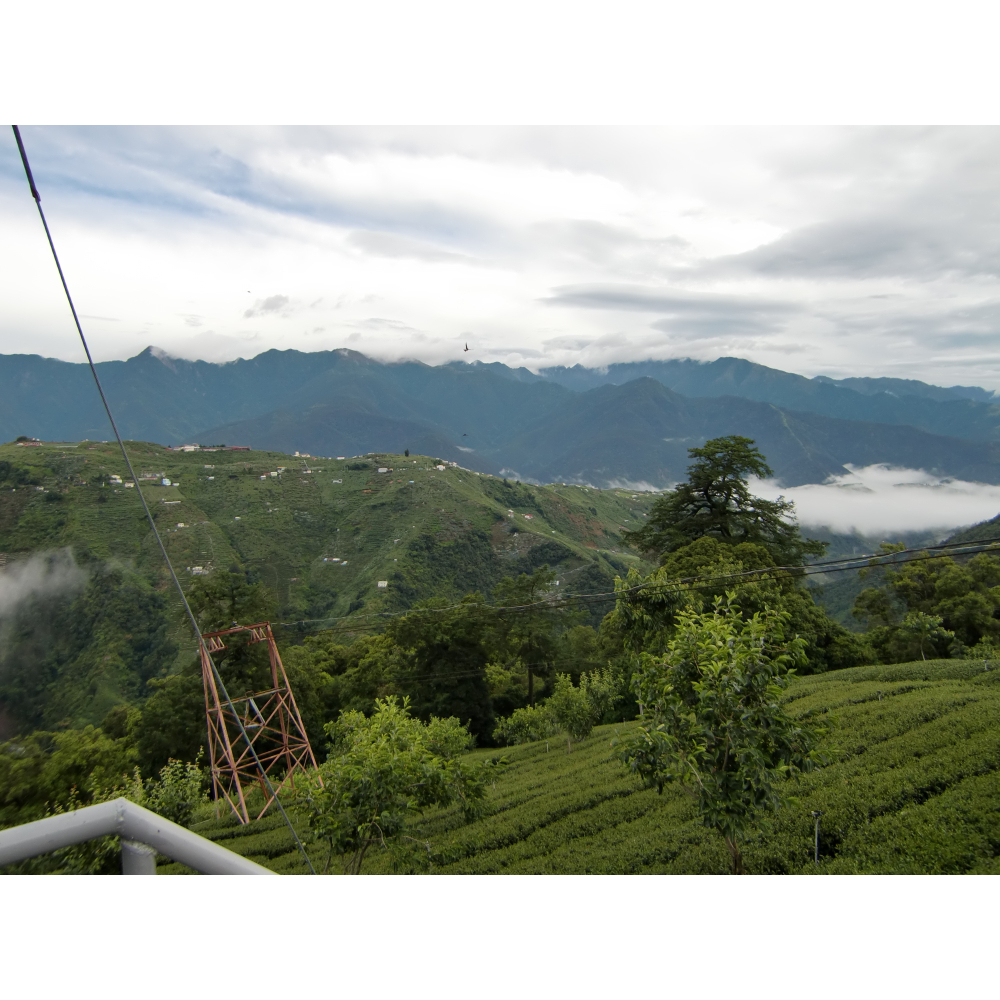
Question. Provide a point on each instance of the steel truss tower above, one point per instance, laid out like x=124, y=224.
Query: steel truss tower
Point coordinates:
x=271, y=721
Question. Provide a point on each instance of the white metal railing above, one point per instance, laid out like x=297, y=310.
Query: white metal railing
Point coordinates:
x=143, y=835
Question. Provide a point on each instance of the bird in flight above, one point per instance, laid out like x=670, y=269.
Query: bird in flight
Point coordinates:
x=466, y=345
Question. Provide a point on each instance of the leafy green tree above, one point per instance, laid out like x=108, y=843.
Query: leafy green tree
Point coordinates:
x=44, y=769
x=965, y=596
x=529, y=636
x=353, y=677
x=603, y=689
x=571, y=710
x=925, y=630
x=716, y=502
x=221, y=600
x=579, y=650
x=440, y=659
x=381, y=773
x=226, y=598
x=178, y=790
x=693, y=577
x=46, y=774
x=713, y=721
x=436, y=655
x=525, y=725
x=171, y=724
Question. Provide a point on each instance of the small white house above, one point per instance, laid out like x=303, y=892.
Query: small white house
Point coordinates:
x=165, y=482
x=383, y=470
x=382, y=584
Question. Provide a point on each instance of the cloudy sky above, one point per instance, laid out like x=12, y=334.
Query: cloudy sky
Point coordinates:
x=827, y=250
x=552, y=194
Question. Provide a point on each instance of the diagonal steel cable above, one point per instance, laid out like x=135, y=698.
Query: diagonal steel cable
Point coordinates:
x=145, y=506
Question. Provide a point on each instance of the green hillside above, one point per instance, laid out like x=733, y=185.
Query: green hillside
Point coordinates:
x=228, y=507
x=914, y=787
x=318, y=533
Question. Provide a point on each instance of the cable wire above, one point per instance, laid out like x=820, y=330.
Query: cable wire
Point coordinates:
x=145, y=506
x=679, y=585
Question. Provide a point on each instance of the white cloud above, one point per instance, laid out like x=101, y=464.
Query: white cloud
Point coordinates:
x=879, y=498
x=826, y=250
x=41, y=575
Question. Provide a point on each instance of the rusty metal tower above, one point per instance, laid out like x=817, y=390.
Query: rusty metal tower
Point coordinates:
x=270, y=719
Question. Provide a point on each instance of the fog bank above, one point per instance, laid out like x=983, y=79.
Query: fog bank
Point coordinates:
x=44, y=574
x=878, y=498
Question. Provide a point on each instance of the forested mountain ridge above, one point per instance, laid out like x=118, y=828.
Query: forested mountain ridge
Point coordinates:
x=960, y=411
x=578, y=425
x=641, y=431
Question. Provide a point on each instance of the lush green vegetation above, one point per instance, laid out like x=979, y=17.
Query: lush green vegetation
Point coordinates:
x=305, y=547
x=937, y=607
x=381, y=772
x=704, y=664
x=712, y=722
x=716, y=502
x=913, y=787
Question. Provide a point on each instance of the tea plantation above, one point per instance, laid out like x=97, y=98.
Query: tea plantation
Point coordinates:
x=913, y=787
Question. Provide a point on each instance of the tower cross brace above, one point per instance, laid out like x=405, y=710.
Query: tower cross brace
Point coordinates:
x=271, y=721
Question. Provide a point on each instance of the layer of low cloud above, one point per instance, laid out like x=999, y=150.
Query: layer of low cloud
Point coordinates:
x=821, y=251
x=879, y=498
x=42, y=575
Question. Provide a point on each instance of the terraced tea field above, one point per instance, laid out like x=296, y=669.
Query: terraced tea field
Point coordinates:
x=913, y=787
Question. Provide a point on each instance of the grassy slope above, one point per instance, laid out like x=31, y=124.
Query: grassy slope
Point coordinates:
x=914, y=787
x=444, y=533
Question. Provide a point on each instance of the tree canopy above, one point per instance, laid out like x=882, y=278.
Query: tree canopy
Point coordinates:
x=712, y=720
x=936, y=607
x=381, y=773
x=646, y=613
x=716, y=502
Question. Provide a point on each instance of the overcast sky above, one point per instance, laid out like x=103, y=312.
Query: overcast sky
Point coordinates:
x=554, y=217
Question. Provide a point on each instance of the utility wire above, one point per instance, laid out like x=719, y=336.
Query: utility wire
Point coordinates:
x=145, y=506
x=679, y=585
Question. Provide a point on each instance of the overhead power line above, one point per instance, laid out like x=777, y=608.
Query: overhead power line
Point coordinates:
x=360, y=623
x=138, y=490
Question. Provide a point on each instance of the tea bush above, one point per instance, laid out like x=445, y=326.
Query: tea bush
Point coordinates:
x=913, y=787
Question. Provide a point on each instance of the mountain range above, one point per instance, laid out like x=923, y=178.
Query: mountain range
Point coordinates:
x=627, y=424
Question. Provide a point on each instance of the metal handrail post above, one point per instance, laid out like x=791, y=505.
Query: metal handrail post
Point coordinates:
x=149, y=832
